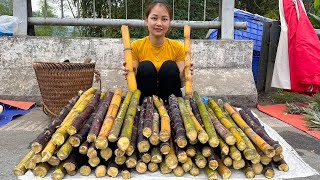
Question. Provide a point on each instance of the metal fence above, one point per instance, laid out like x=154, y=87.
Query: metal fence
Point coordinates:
x=226, y=22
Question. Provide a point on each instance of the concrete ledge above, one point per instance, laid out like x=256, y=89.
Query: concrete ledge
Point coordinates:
x=222, y=68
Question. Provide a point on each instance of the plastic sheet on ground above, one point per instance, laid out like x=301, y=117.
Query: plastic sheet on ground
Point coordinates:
x=297, y=167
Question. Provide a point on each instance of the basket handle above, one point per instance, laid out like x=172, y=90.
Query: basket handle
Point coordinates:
x=47, y=111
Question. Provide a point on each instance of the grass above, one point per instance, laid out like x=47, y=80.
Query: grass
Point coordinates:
x=282, y=97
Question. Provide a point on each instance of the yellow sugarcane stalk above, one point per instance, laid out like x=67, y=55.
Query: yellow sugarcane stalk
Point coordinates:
x=131, y=77
x=187, y=71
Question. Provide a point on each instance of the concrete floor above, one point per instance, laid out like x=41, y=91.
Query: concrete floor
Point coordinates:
x=16, y=136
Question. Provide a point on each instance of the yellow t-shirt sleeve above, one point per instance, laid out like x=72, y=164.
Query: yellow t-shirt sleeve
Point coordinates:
x=134, y=51
x=180, y=52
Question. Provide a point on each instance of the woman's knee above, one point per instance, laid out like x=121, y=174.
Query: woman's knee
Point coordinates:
x=146, y=68
x=169, y=69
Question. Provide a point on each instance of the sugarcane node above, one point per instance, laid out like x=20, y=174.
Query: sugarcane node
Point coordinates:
x=101, y=142
x=123, y=143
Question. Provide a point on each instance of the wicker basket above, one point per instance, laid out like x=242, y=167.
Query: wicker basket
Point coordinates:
x=59, y=82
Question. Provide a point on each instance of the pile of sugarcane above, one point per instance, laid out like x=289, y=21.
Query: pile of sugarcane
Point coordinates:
x=108, y=135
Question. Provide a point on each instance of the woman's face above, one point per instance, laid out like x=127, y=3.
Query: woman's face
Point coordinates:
x=158, y=21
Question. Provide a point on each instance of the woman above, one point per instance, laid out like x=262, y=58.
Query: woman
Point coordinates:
x=158, y=61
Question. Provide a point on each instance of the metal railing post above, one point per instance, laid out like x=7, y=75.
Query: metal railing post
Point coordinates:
x=20, y=11
x=227, y=19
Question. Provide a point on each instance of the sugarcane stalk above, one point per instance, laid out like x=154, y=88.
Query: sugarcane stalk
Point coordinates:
x=131, y=76
x=268, y=171
x=83, y=116
x=171, y=158
x=189, y=126
x=164, y=169
x=64, y=151
x=238, y=164
x=101, y=171
x=213, y=138
x=147, y=123
x=102, y=139
x=142, y=143
x=248, y=170
x=40, y=142
x=126, y=132
x=94, y=162
x=134, y=136
x=165, y=130
x=112, y=169
x=59, y=172
x=71, y=173
x=201, y=133
x=222, y=169
x=221, y=130
x=282, y=165
x=76, y=139
x=70, y=164
x=41, y=170
x=232, y=127
x=227, y=160
x=200, y=160
x=191, y=150
x=125, y=173
x=132, y=160
x=165, y=147
x=117, y=124
x=48, y=151
x=106, y=154
x=92, y=151
x=153, y=167
x=257, y=168
x=224, y=148
x=234, y=153
x=156, y=156
x=194, y=171
x=181, y=154
x=98, y=119
x=141, y=167
x=61, y=133
x=259, y=129
x=119, y=160
x=187, y=66
x=262, y=144
x=178, y=171
x=119, y=152
x=187, y=165
x=155, y=136
x=85, y=170
x=83, y=149
x=212, y=162
x=177, y=122
x=195, y=111
x=54, y=160
x=211, y=174
x=145, y=157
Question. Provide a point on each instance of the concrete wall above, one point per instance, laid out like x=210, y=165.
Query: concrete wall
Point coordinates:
x=222, y=68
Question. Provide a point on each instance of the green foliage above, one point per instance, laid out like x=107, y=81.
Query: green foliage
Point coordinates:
x=135, y=12
x=6, y=7
x=266, y=8
x=315, y=20
x=281, y=97
x=316, y=6
x=48, y=30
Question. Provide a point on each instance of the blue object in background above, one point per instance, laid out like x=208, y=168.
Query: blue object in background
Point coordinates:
x=253, y=32
x=204, y=99
x=8, y=25
x=10, y=111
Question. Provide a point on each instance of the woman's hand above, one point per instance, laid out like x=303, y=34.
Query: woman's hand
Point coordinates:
x=125, y=70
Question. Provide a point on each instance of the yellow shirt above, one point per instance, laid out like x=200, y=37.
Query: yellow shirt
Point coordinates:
x=142, y=50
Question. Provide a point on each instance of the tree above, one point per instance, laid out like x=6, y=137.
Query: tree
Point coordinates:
x=48, y=30
x=6, y=7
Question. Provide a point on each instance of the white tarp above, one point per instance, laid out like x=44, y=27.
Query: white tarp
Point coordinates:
x=297, y=167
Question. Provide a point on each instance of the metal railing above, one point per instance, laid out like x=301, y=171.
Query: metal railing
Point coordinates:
x=226, y=21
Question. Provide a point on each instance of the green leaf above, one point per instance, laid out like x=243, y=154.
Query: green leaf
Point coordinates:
x=315, y=20
x=316, y=6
